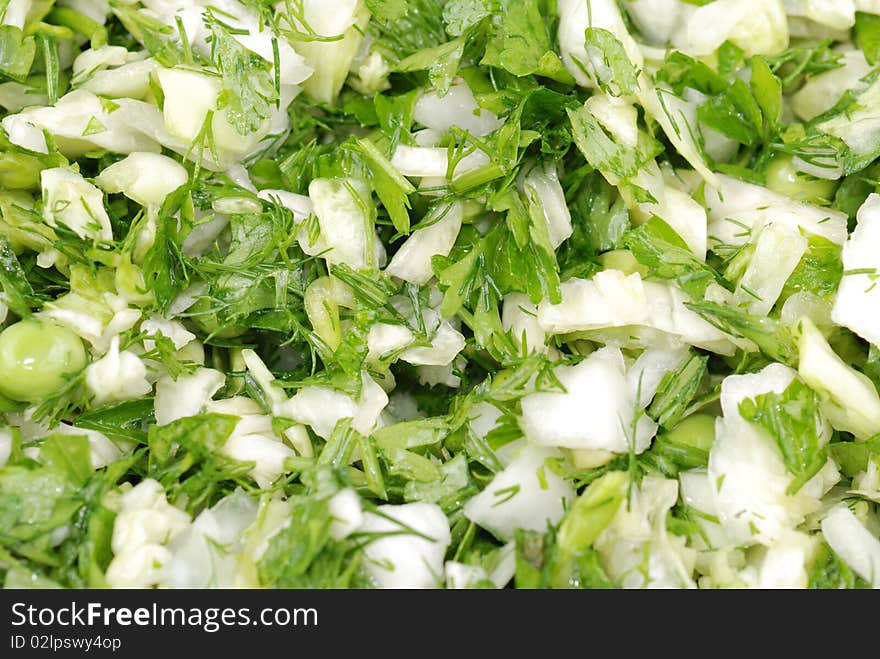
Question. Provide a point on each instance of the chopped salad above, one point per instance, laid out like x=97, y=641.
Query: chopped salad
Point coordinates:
x=426, y=293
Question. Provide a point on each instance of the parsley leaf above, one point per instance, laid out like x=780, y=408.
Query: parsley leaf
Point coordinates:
x=249, y=89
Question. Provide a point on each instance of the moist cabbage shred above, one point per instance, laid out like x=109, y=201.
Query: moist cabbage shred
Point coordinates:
x=425, y=293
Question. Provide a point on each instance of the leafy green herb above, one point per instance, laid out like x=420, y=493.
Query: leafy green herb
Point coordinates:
x=391, y=187
x=18, y=290
x=616, y=73
x=677, y=389
x=734, y=113
x=658, y=246
x=249, y=89
x=792, y=419
x=831, y=573
x=868, y=35
x=521, y=44
x=772, y=338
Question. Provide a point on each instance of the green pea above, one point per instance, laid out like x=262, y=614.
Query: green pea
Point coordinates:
x=36, y=358
x=784, y=178
x=697, y=430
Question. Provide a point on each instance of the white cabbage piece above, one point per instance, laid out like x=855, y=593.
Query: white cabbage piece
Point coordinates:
x=147, y=178
x=519, y=316
x=369, y=71
x=248, y=28
x=5, y=445
x=635, y=548
x=644, y=375
x=321, y=408
x=678, y=118
x=254, y=439
x=18, y=13
x=298, y=204
x=759, y=27
x=102, y=451
x=749, y=480
x=686, y=217
x=461, y=576
x=433, y=162
x=849, y=398
x=820, y=92
x=547, y=199
x=347, y=512
x=857, y=305
x=457, y=107
x=575, y=16
x=145, y=524
x=836, y=14
x=483, y=418
x=187, y=395
x=612, y=299
x=94, y=59
x=14, y=97
x=95, y=314
x=859, y=125
x=525, y=495
x=331, y=60
x=117, y=376
x=866, y=483
x=778, y=251
x=735, y=207
x=322, y=300
x=498, y=573
x=81, y=122
x=408, y=548
x=386, y=339
x=273, y=516
x=70, y=200
x=446, y=375
x=97, y=10
x=782, y=565
x=24, y=134
x=123, y=319
x=596, y=410
x=113, y=72
x=412, y=261
x=189, y=97
x=170, y=329
x=341, y=208
x=85, y=317
x=371, y=402
x=697, y=492
x=618, y=115
x=853, y=543
x=804, y=303
x=658, y=20
x=206, y=555
x=445, y=342
x=266, y=452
